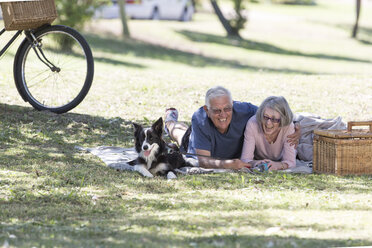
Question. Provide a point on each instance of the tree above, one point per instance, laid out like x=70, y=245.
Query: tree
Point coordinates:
x=222, y=18
x=355, y=29
x=236, y=23
x=123, y=17
x=76, y=13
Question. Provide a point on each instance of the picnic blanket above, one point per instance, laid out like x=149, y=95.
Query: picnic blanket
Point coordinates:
x=118, y=158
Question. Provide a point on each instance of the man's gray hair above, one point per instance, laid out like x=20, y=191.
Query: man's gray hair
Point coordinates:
x=280, y=105
x=215, y=92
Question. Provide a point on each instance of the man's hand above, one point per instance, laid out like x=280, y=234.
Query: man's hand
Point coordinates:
x=235, y=164
x=294, y=138
x=206, y=161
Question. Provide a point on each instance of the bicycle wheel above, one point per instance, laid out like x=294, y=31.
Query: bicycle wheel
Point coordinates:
x=55, y=71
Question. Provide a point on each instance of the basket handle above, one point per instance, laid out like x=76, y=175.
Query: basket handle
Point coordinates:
x=350, y=124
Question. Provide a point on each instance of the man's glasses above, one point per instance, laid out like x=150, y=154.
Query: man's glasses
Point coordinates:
x=219, y=111
x=273, y=120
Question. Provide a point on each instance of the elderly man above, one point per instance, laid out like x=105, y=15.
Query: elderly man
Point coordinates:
x=217, y=129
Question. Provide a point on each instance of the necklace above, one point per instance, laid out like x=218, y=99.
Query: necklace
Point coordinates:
x=271, y=140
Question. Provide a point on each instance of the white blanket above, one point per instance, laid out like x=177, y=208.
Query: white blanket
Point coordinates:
x=118, y=158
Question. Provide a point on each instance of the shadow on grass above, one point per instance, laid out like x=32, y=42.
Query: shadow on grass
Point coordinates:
x=117, y=62
x=142, y=49
x=259, y=46
x=101, y=59
x=364, y=35
x=47, y=183
x=31, y=140
x=365, y=42
x=44, y=143
x=101, y=235
x=273, y=241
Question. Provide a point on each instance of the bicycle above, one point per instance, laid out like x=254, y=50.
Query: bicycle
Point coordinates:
x=49, y=75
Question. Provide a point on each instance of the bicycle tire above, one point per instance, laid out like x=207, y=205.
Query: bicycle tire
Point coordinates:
x=56, y=91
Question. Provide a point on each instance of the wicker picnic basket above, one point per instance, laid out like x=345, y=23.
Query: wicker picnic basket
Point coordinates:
x=343, y=152
x=22, y=15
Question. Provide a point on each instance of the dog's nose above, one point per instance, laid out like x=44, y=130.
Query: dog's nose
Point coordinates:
x=145, y=147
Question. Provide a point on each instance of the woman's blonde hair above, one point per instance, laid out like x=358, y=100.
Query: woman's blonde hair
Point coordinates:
x=280, y=105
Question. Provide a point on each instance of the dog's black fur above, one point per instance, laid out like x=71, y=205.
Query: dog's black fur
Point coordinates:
x=155, y=157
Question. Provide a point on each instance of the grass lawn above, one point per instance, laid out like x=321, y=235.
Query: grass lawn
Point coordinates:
x=52, y=195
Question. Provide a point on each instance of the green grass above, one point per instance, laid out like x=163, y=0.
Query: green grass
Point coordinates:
x=52, y=195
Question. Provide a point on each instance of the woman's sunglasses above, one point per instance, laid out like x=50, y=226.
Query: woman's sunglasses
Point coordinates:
x=273, y=120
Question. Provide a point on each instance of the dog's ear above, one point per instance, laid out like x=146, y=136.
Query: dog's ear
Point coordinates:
x=137, y=128
x=158, y=126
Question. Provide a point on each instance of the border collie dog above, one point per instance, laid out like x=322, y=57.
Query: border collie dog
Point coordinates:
x=154, y=158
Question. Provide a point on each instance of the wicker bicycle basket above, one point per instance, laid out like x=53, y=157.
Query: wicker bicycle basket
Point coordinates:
x=343, y=152
x=22, y=15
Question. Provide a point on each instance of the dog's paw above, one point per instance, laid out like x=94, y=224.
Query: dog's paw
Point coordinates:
x=147, y=174
x=143, y=171
x=171, y=175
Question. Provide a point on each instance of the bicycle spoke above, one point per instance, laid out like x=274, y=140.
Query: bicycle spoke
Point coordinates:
x=39, y=74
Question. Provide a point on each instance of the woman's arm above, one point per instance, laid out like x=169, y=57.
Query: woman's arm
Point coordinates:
x=289, y=151
x=249, y=143
x=294, y=138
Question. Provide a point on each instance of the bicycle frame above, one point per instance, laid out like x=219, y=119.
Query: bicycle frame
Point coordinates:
x=31, y=38
x=15, y=36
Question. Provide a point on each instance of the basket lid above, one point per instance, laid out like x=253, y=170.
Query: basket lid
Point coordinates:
x=344, y=134
x=350, y=133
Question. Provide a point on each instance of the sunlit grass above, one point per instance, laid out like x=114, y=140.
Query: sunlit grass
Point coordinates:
x=53, y=195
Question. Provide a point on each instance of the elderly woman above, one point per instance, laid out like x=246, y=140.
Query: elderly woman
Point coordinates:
x=265, y=135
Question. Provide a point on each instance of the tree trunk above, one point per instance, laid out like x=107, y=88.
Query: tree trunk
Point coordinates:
x=123, y=17
x=223, y=20
x=355, y=29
